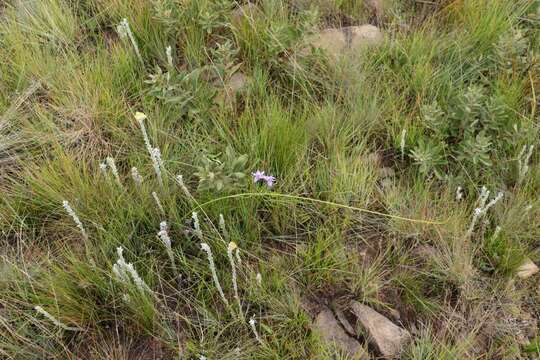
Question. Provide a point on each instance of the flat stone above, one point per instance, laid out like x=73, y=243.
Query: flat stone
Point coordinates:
x=234, y=85
x=338, y=42
x=328, y=327
x=387, y=337
x=237, y=82
x=364, y=35
x=527, y=269
x=332, y=41
x=376, y=6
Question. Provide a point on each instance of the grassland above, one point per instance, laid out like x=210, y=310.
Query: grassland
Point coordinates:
x=380, y=157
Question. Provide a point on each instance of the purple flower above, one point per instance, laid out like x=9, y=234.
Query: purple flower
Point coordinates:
x=259, y=176
x=270, y=180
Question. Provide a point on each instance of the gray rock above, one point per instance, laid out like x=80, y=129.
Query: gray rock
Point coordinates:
x=364, y=35
x=376, y=6
x=527, y=269
x=332, y=332
x=236, y=84
x=388, y=338
x=338, y=42
x=331, y=41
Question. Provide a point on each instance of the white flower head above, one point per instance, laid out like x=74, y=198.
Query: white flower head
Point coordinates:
x=185, y=190
x=196, y=225
x=459, y=193
x=103, y=168
x=124, y=31
x=157, y=162
x=125, y=271
x=164, y=235
x=137, y=178
x=112, y=165
x=54, y=320
x=402, y=142
x=75, y=218
x=158, y=202
x=168, y=51
x=230, y=249
x=121, y=29
x=252, y=323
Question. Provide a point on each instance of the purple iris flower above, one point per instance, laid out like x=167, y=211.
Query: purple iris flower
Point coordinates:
x=259, y=176
x=270, y=180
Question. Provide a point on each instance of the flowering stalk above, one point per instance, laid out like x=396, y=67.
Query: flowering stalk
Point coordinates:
x=258, y=279
x=185, y=190
x=196, y=225
x=222, y=227
x=232, y=247
x=252, y=323
x=140, y=117
x=523, y=162
x=168, y=50
x=158, y=202
x=238, y=259
x=402, y=143
x=496, y=232
x=166, y=240
x=124, y=31
x=54, y=320
x=155, y=154
x=112, y=165
x=482, y=208
x=205, y=247
x=137, y=178
x=124, y=271
x=157, y=162
x=75, y=218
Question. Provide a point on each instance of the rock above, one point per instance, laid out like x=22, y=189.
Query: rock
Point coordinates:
x=376, y=7
x=332, y=41
x=340, y=316
x=330, y=330
x=237, y=82
x=364, y=35
x=234, y=85
x=527, y=269
x=388, y=338
x=338, y=42
x=386, y=172
x=247, y=11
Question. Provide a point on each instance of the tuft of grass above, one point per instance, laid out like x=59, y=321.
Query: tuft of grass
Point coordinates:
x=368, y=153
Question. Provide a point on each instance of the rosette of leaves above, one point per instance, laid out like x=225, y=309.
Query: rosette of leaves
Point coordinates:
x=224, y=56
x=220, y=173
x=464, y=131
x=434, y=118
x=186, y=90
x=213, y=15
x=430, y=157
